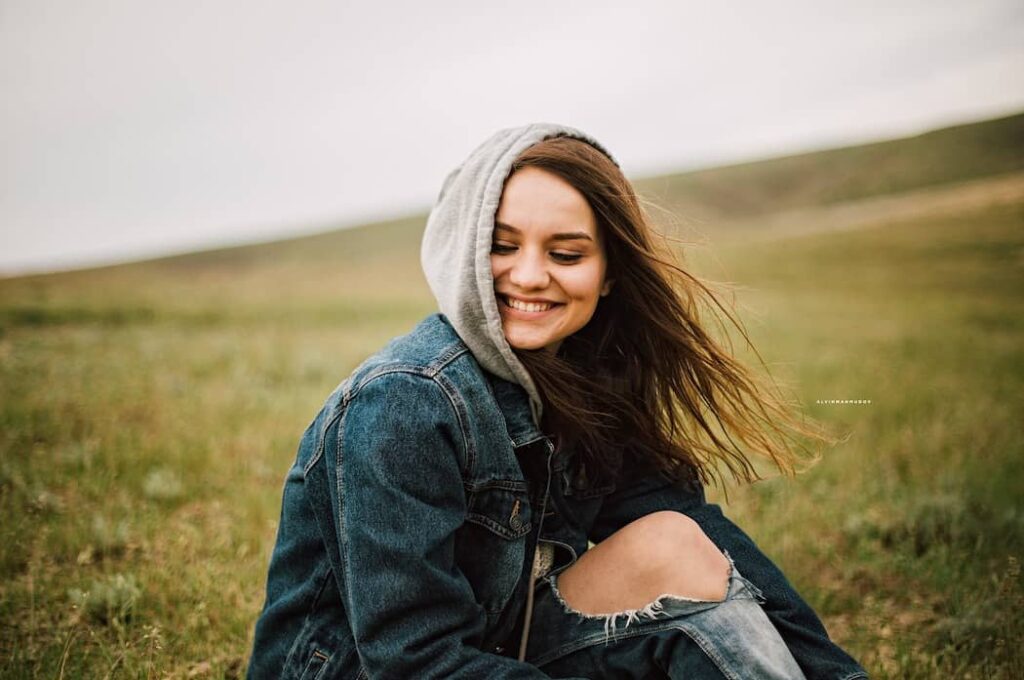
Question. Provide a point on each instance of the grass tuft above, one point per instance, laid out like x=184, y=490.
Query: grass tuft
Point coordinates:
x=108, y=601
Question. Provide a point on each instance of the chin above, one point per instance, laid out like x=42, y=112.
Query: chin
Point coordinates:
x=528, y=346
x=528, y=343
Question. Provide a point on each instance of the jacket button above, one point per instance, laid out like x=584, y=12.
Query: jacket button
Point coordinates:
x=499, y=649
x=515, y=522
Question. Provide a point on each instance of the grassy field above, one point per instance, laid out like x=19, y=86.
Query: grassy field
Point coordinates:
x=148, y=413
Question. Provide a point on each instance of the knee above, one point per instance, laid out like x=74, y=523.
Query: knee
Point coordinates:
x=664, y=552
x=672, y=548
x=664, y=535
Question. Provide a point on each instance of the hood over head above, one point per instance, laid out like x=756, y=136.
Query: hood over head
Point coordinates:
x=456, y=248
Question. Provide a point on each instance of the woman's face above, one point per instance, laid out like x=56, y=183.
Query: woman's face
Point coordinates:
x=547, y=259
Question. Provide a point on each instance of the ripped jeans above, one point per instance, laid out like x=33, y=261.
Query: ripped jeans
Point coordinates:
x=672, y=636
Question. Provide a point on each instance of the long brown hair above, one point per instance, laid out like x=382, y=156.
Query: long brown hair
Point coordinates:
x=643, y=376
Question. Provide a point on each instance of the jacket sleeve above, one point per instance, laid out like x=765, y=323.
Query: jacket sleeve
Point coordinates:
x=642, y=489
x=400, y=499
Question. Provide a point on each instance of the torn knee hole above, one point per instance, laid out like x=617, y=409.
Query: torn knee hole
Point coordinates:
x=620, y=620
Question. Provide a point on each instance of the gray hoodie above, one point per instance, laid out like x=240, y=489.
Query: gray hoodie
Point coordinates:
x=456, y=247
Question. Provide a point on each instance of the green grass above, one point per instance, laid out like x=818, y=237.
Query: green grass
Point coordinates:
x=907, y=538
x=148, y=413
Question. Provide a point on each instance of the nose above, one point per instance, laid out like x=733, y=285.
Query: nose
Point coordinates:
x=529, y=272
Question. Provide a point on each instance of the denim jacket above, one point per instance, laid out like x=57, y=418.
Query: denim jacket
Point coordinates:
x=411, y=515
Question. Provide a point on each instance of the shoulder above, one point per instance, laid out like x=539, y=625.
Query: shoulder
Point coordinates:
x=423, y=388
x=414, y=392
x=429, y=359
x=432, y=350
x=426, y=350
x=431, y=362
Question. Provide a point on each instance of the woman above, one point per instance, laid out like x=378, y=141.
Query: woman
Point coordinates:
x=436, y=522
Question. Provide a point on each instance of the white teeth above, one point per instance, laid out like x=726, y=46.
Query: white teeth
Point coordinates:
x=528, y=306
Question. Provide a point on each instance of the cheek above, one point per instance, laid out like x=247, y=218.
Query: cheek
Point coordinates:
x=585, y=283
x=496, y=268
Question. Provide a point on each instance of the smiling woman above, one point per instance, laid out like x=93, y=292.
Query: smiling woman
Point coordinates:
x=547, y=280
x=515, y=488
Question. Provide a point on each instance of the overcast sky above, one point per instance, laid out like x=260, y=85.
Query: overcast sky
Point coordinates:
x=134, y=128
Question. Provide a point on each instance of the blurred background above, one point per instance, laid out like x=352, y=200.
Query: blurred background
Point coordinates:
x=211, y=212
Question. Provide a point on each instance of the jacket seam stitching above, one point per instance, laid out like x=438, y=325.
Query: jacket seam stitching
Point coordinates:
x=441, y=362
x=342, y=531
x=458, y=407
x=321, y=441
x=448, y=356
x=321, y=435
x=413, y=369
x=322, y=574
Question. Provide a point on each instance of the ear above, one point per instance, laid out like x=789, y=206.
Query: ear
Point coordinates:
x=607, y=287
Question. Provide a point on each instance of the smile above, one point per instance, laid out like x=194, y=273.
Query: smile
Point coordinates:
x=523, y=306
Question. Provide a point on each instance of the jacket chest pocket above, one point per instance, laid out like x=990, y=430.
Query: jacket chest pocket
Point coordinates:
x=490, y=547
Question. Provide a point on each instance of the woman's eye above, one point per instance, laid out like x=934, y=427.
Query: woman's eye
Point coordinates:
x=501, y=249
x=566, y=257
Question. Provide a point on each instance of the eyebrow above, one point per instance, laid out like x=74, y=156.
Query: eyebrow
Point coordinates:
x=562, y=236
